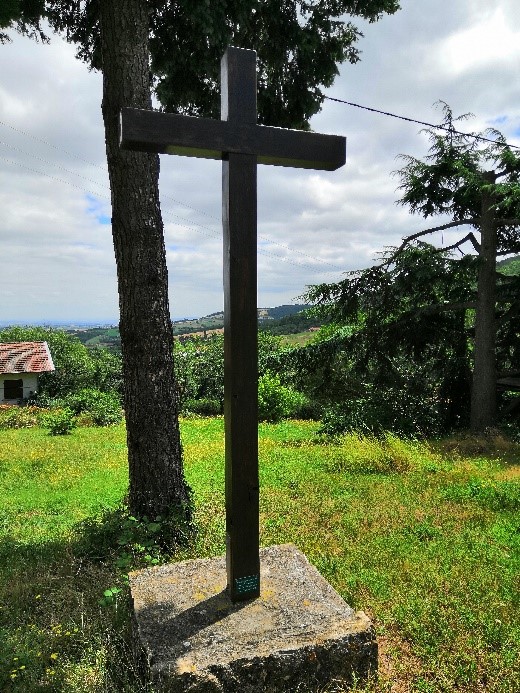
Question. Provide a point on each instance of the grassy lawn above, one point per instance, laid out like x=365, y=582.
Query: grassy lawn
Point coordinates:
x=425, y=538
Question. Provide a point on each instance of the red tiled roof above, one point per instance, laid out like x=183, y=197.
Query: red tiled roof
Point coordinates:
x=25, y=357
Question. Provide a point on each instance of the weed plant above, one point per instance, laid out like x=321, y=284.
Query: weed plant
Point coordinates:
x=424, y=537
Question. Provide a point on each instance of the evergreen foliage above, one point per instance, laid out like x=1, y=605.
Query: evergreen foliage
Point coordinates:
x=421, y=320
x=24, y=16
x=299, y=46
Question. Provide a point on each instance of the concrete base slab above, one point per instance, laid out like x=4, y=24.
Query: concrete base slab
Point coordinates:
x=299, y=635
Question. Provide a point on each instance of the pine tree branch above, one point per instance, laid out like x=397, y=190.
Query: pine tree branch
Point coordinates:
x=442, y=227
x=508, y=374
x=507, y=314
x=442, y=308
x=507, y=222
x=445, y=307
x=470, y=237
x=425, y=232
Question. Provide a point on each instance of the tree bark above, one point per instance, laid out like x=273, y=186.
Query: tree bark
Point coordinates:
x=483, y=392
x=157, y=484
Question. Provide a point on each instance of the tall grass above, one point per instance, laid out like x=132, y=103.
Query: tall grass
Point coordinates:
x=426, y=538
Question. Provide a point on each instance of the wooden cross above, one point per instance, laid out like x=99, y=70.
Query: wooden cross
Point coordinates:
x=241, y=144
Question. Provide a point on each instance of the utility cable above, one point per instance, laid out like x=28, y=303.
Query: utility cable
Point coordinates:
x=422, y=122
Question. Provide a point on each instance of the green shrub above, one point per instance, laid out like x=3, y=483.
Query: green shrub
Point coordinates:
x=307, y=409
x=203, y=406
x=199, y=370
x=277, y=401
x=43, y=401
x=106, y=411
x=379, y=410
x=60, y=422
x=100, y=408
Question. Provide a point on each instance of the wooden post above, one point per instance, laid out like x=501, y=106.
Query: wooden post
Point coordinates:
x=240, y=333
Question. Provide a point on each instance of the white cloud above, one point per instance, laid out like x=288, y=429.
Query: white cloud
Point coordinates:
x=491, y=42
x=312, y=226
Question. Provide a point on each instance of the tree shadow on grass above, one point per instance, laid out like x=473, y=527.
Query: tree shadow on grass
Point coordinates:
x=53, y=629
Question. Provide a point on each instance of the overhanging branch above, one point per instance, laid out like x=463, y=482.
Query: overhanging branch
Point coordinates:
x=442, y=308
x=470, y=237
x=453, y=307
x=442, y=227
x=507, y=222
x=426, y=232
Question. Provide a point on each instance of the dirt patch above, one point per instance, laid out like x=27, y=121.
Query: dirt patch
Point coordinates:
x=398, y=666
x=510, y=474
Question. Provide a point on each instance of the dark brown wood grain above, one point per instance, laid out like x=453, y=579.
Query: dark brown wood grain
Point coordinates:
x=168, y=133
x=241, y=144
x=239, y=215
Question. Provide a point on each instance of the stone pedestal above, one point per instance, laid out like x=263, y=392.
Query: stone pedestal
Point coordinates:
x=297, y=636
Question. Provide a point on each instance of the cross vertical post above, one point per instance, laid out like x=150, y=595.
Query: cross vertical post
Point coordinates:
x=241, y=144
x=239, y=212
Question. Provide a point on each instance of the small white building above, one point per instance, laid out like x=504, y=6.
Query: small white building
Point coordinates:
x=20, y=364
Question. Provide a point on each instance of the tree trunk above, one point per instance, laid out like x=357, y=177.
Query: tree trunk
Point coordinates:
x=456, y=390
x=483, y=393
x=157, y=484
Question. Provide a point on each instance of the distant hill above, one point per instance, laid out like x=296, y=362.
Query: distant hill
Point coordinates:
x=510, y=266
x=282, y=311
x=215, y=321
x=108, y=337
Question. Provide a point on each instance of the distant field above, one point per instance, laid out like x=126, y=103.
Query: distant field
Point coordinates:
x=298, y=339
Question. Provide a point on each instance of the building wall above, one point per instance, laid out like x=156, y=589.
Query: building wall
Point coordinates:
x=30, y=384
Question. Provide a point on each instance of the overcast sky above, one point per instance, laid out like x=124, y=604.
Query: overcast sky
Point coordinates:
x=57, y=260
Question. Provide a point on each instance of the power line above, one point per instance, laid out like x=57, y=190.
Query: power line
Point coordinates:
x=422, y=122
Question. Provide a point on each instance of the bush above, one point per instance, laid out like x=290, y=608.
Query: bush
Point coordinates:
x=107, y=410
x=199, y=370
x=82, y=400
x=308, y=409
x=60, y=422
x=277, y=401
x=402, y=412
x=204, y=406
x=43, y=401
x=100, y=408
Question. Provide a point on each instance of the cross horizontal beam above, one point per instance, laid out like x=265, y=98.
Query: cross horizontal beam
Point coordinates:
x=169, y=133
